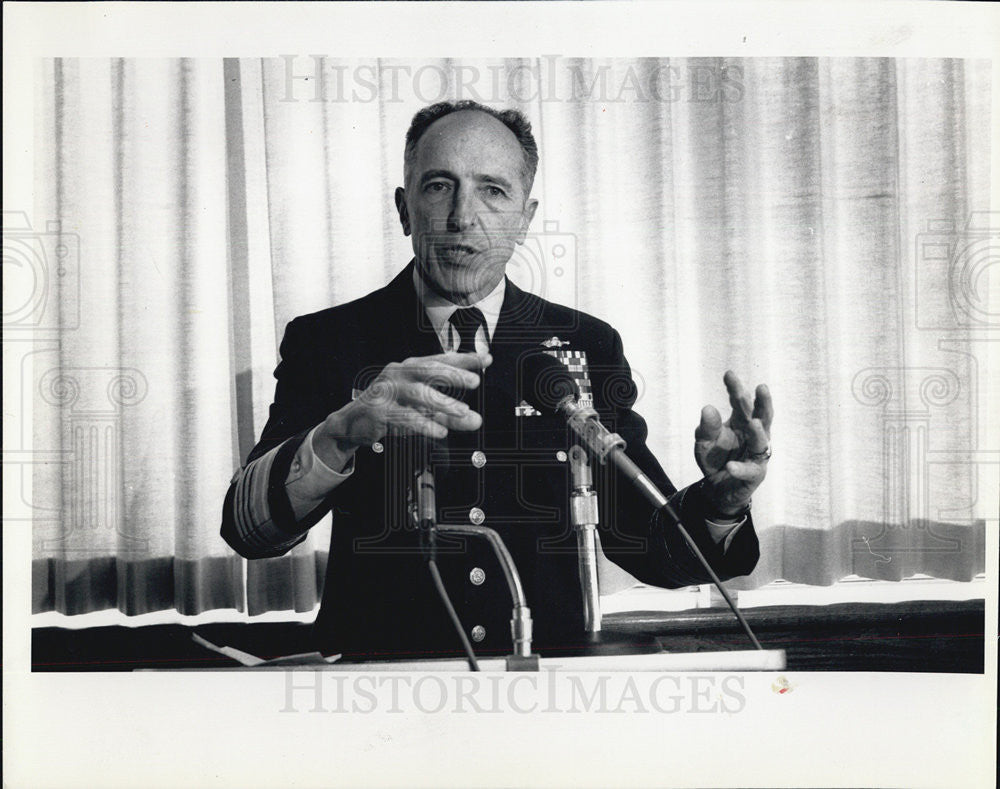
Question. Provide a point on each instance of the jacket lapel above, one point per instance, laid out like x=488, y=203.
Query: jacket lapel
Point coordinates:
x=517, y=326
x=401, y=322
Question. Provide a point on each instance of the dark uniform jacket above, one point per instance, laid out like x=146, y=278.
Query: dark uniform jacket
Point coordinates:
x=378, y=597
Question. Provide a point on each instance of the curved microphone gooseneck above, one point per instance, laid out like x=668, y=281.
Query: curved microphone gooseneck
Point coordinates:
x=425, y=513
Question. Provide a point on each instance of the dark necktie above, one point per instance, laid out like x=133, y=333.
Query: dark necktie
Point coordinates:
x=467, y=321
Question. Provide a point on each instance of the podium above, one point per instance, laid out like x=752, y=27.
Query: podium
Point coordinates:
x=604, y=651
x=666, y=662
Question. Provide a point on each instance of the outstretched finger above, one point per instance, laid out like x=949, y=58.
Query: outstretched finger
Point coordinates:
x=763, y=407
x=710, y=425
x=757, y=442
x=428, y=400
x=410, y=421
x=739, y=399
x=432, y=371
x=470, y=420
x=476, y=362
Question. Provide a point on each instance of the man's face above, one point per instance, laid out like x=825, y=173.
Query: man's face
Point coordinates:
x=465, y=204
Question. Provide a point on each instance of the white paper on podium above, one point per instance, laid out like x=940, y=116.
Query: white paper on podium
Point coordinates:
x=251, y=661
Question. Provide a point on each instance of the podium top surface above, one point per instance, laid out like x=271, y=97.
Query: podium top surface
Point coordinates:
x=731, y=660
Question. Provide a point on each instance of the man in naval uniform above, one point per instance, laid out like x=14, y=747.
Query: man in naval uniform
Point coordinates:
x=436, y=354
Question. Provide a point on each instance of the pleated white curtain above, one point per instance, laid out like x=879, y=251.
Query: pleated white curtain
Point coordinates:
x=804, y=222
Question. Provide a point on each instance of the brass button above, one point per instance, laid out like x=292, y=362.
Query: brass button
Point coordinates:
x=478, y=633
x=476, y=516
x=378, y=448
x=561, y=456
x=478, y=459
x=477, y=575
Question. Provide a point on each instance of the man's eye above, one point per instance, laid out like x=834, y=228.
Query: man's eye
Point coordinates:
x=436, y=187
x=495, y=191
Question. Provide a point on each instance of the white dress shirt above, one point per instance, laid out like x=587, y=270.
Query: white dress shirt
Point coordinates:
x=439, y=311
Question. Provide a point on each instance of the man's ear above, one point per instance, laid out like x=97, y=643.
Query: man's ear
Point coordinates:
x=527, y=215
x=404, y=216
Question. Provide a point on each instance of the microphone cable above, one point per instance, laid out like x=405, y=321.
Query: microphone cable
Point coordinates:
x=470, y=655
x=715, y=578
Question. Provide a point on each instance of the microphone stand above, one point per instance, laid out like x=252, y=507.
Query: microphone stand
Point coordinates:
x=522, y=658
x=584, y=516
x=520, y=621
x=606, y=446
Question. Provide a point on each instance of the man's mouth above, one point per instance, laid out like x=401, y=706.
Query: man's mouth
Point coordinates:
x=456, y=250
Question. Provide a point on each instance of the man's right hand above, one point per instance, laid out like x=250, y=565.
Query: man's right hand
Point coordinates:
x=406, y=397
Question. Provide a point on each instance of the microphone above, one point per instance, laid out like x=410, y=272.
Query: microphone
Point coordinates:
x=426, y=505
x=421, y=499
x=549, y=387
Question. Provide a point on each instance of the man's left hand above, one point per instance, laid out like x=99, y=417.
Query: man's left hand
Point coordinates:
x=733, y=455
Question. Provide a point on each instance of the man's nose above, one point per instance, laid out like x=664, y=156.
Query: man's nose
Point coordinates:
x=463, y=211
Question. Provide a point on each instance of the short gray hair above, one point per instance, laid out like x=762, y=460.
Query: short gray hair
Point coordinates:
x=511, y=118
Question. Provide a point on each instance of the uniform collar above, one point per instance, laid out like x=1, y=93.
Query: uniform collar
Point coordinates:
x=439, y=309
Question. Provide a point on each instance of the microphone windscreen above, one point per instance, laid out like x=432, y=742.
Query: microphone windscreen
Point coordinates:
x=545, y=383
